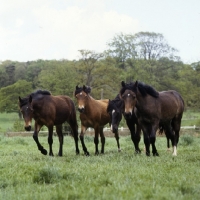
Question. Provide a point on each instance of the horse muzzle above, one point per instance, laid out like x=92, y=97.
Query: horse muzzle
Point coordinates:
x=81, y=110
x=127, y=115
x=27, y=128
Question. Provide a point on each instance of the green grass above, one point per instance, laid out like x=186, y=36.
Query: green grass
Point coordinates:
x=7, y=120
x=191, y=118
x=27, y=174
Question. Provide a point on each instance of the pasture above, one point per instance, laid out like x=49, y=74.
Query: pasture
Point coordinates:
x=27, y=174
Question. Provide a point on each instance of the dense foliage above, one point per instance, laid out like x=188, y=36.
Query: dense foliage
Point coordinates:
x=144, y=56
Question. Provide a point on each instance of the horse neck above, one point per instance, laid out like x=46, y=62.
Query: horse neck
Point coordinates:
x=142, y=101
x=89, y=104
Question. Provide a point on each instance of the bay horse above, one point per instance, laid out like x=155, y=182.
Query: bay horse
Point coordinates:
x=93, y=113
x=116, y=110
x=154, y=109
x=50, y=111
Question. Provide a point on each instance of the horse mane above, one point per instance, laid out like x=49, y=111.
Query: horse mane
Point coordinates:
x=143, y=88
x=43, y=92
x=86, y=89
x=25, y=100
x=115, y=103
x=147, y=89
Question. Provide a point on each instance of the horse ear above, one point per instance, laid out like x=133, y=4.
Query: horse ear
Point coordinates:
x=77, y=87
x=136, y=84
x=30, y=99
x=123, y=84
x=20, y=100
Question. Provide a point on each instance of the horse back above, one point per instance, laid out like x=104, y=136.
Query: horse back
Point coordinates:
x=171, y=103
x=54, y=110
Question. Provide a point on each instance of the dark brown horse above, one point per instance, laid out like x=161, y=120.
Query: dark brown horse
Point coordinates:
x=93, y=114
x=154, y=110
x=50, y=111
x=116, y=110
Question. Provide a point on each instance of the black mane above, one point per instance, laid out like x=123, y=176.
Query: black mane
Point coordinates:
x=43, y=92
x=25, y=100
x=143, y=88
x=127, y=86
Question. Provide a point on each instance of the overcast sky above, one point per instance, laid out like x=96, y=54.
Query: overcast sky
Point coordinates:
x=57, y=29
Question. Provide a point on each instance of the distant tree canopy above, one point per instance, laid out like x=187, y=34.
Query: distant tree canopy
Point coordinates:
x=143, y=45
x=9, y=95
x=145, y=56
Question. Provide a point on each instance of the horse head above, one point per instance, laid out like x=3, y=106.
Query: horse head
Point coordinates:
x=115, y=111
x=128, y=94
x=81, y=94
x=27, y=111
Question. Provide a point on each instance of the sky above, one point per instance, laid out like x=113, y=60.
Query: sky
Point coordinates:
x=57, y=29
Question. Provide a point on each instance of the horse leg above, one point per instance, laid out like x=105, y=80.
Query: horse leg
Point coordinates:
x=135, y=136
x=176, y=124
x=154, y=150
x=60, y=138
x=117, y=139
x=147, y=143
x=96, y=140
x=102, y=140
x=83, y=129
x=35, y=137
x=74, y=127
x=50, y=140
x=153, y=139
x=169, y=134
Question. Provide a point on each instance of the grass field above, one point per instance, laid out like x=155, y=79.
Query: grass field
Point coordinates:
x=27, y=174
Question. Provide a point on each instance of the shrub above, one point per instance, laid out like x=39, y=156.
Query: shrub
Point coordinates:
x=186, y=140
x=18, y=125
x=47, y=175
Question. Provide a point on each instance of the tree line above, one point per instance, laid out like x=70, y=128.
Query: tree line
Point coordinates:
x=144, y=56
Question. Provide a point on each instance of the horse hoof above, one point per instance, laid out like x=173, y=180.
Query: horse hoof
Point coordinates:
x=138, y=151
x=156, y=154
x=147, y=154
x=44, y=151
x=77, y=152
x=119, y=150
x=87, y=154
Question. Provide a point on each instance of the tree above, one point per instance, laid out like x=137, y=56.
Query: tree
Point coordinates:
x=58, y=79
x=9, y=95
x=87, y=65
x=122, y=47
x=153, y=46
x=101, y=74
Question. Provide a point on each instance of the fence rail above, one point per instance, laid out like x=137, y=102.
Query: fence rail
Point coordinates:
x=106, y=129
